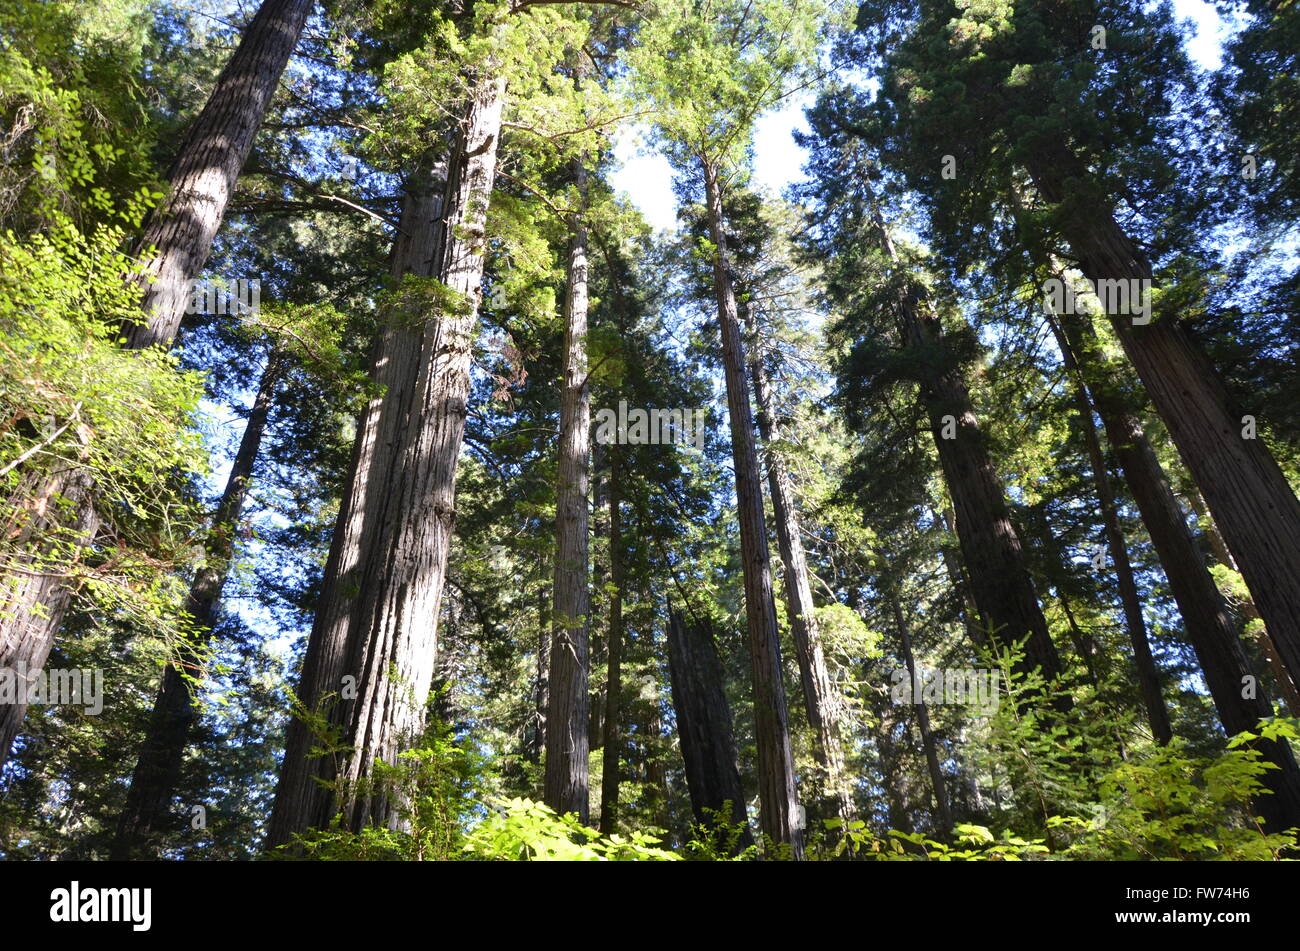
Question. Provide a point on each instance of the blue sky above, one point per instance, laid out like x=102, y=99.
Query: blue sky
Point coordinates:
x=647, y=180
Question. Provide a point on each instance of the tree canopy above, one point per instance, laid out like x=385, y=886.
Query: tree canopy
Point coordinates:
x=376, y=482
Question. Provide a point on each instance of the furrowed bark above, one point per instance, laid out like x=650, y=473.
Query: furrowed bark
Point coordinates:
x=203, y=178
x=157, y=770
x=1246, y=606
x=779, y=805
x=820, y=700
x=704, y=728
x=300, y=802
x=1206, y=619
x=377, y=622
x=992, y=551
x=1254, y=506
x=35, y=586
x=33, y=594
x=1148, y=675
x=613, y=740
x=567, y=719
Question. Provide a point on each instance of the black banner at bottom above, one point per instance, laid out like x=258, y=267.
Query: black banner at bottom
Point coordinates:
x=336, y=900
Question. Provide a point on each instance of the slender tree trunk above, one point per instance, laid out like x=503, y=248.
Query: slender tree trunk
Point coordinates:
x=704, y=728
x=942, y=808
x=820, y=699
x=158, y=768
x=1254, y=506
x=613, y=742
x=1286, y=685
x=1148, y=675
x=598, y=655
x=779, y=805
x=567, y=720
x=960, y=583
x=1206, y=619
x=596, y=699
x=990, y=543
x=543, y=686
x=891, y=774
x=375, y=633
x=1084, y=645
x=33, y=594
x=656, y=772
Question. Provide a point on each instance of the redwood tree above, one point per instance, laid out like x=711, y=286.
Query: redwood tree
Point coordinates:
x=613, y=734
x=975, y=101
x=172, y=251
x=1148, y=675
x=1206, y=620
x=370, y=658
x=567, y=727
x=709, y=72
x=158, y=767
x=704, y=728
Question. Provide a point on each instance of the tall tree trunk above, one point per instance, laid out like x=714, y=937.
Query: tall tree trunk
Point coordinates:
x=1254, y=506
x=990, y=543
x=1206, y=619
x=942, y=808
x=704, y=728
x=1084, y=644
x=820, y=699
x=375, y=632
x=1148, y=675
x=779, y=805
x=543, y=686
x=33, y=595
x=203, y=178
x=991, y=547
x=300, y=800
x=891, y=771
x=598, y=652
x=613, y=742
x=960, y=583
x=157, y=770
x=656, y=772
x=567, y=720
x=1286, y=685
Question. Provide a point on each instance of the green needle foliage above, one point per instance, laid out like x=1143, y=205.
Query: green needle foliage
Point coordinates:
x=925, y=124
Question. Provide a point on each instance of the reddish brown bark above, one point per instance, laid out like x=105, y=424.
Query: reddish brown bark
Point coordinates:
x=567, y=719
x=377, y=620
x=34, y=593
x=780, y=813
